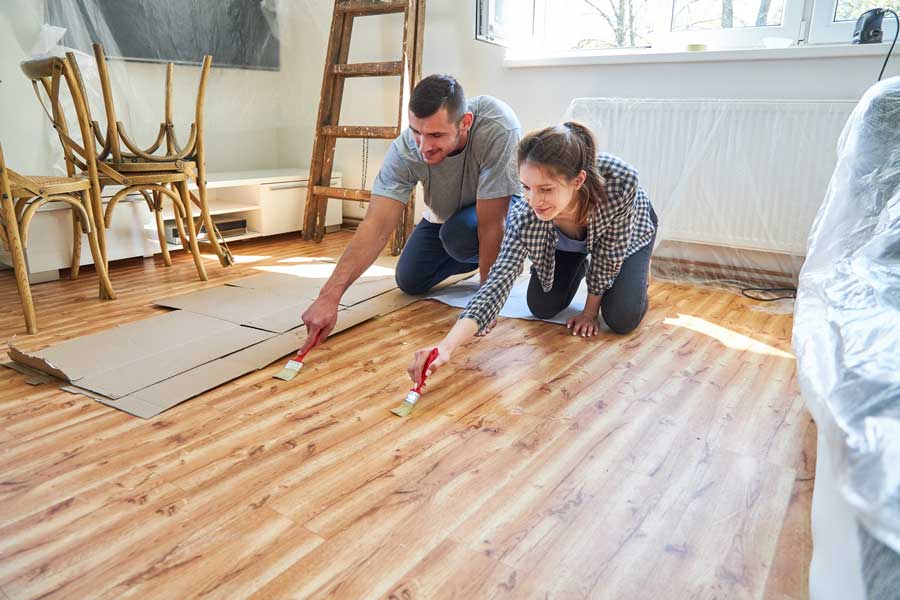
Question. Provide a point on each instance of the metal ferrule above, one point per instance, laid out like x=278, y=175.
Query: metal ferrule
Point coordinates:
x=413, y=396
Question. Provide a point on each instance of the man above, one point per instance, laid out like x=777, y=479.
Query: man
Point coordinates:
x=463, y=153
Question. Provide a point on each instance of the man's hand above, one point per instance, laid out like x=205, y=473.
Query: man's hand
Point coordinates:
x=584, y=325
x=320, y=318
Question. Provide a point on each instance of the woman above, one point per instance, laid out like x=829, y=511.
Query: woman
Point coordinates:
x=578, y=204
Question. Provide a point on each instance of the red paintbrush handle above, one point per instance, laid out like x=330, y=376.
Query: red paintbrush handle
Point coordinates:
x=302, y=355
x=431, y=358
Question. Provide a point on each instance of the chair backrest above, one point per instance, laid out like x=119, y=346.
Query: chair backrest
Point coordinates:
x=49, y=77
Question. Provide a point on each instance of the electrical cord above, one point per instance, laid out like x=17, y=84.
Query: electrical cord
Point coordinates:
x=792, y=293
x=897, y=31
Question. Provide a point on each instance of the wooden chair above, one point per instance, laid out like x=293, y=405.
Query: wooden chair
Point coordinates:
x=21, y=197
x=189, y=160
x=82, y=158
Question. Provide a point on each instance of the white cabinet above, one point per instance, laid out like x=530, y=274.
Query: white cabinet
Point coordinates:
x=283, y=206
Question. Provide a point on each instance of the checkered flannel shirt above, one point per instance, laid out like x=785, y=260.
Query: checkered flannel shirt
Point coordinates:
x=619, y=228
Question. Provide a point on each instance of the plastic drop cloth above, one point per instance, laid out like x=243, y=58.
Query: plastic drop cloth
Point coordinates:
x=847, y=322
x=736, y=183
x=262, y=95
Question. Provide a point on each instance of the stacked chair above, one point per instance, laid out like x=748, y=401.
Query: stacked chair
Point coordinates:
x=150, y=170
x=22, y=195
x=108, y=156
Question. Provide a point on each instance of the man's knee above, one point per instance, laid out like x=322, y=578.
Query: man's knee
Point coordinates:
x=409, y=283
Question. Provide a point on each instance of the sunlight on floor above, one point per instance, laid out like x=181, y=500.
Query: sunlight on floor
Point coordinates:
x=730, y=338
x=320, y=270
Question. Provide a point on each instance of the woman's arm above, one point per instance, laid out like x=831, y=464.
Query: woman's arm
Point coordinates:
x=457, y=336
x=482, y=309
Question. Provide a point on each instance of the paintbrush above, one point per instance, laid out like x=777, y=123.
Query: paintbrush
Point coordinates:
x=294, y=365
x=416, y=392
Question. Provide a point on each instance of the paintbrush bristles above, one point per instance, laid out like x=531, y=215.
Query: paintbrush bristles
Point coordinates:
x=289, y=371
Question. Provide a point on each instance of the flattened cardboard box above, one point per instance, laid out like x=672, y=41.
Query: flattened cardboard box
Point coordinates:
x=125, y=359
x=146, y=383
x=305, y=280
x=255, y=308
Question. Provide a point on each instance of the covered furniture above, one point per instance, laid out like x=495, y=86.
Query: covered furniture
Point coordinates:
x=847, y=341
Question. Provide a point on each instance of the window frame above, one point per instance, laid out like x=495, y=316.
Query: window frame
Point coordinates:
x=824, y=30
x=803, y=21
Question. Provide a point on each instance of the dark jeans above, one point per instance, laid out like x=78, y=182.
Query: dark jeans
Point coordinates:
x=622, y=306
x=435, y=251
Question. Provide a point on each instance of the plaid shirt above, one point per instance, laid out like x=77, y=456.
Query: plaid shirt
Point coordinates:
x=619, y=228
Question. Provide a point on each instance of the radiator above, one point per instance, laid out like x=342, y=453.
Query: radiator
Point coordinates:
x=746, y=174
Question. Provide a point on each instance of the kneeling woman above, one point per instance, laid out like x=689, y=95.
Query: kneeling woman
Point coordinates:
x=583, y=214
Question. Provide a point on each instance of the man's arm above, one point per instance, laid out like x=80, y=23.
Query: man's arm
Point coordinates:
x=491, y=217
x=382, y=217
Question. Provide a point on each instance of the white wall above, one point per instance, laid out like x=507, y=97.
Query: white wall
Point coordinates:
x=245, y=112
x=259, y=119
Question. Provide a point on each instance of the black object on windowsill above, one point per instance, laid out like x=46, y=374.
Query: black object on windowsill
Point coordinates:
x=868, y=31
x=868, y=27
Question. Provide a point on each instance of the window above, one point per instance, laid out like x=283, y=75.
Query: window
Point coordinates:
x=554, y=26
x=834, y=20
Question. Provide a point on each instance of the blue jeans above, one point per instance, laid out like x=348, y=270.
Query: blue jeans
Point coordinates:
x=622, y=307
x=435, y=251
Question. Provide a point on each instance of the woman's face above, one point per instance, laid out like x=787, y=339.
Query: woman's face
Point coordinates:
x=548, y=195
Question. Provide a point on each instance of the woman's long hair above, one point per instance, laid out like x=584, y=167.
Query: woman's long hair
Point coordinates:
x=566, y=150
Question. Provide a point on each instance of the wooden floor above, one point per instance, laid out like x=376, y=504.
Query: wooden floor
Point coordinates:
x=676, y=462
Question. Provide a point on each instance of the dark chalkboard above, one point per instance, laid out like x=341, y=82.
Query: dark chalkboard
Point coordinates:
x=237, y=33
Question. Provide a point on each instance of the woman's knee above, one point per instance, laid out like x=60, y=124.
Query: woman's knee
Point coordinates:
x=541, y=306
x=622, y=320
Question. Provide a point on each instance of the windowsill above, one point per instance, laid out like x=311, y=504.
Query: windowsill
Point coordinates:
x=655, y=55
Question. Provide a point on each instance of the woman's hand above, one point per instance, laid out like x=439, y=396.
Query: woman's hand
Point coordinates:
x=487, y=328
x=584, y=325
x=415, y=368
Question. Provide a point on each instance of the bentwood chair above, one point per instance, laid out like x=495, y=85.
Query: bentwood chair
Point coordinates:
x=21, y=197
x=165, y=154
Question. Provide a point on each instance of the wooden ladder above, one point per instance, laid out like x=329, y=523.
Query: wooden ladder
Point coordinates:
x=328, y=129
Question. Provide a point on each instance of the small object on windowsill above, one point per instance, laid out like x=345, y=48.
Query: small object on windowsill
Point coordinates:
x=696, y=47
x=778, y=42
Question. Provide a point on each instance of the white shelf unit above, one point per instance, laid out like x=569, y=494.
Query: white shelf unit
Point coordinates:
x=272, y=202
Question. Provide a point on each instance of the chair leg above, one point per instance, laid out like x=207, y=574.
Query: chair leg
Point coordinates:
x=106, y=289
x=76, y=245
x=222, y=251
x=18, y=259
x=100, y=223
x=179, y=218
x=161, y=228
x=192, y=232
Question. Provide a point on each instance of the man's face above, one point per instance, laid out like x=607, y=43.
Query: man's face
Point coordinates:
x=437, y=136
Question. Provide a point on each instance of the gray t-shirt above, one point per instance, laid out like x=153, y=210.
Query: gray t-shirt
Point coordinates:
x=485, y=168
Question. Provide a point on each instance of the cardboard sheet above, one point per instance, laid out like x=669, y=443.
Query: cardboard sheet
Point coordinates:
x=256, y=308
x=304, y=280
x=152, y=400
x=131, y=357
x=516, y=306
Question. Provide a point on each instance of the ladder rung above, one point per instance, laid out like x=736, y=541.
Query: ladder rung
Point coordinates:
x=358, y=7
x=374, y=69
x=360, y=131
x=342, y=193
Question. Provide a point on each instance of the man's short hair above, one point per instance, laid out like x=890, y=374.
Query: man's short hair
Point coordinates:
x=436, y=92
